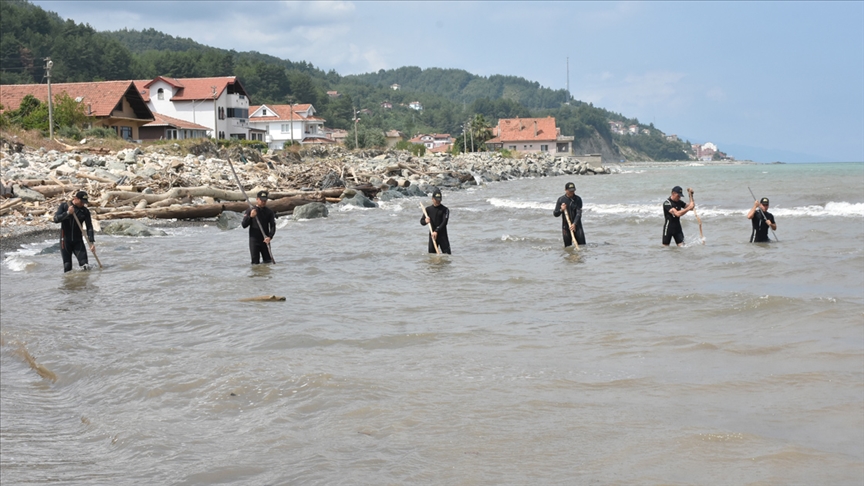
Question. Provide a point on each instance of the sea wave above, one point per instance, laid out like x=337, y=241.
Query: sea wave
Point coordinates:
x=509, y=203
x=841, y=209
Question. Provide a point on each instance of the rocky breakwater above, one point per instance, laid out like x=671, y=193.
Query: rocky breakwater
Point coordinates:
x=169, y=181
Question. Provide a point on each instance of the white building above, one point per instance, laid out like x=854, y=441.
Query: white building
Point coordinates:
x=415, y=105
x=283, y=123
x=220, y=104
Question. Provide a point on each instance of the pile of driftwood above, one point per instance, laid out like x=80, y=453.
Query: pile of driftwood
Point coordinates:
x=107, y=200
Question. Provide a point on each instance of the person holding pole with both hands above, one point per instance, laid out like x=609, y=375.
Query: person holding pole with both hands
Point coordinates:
x=570, y=205
x=762, y=220
x=673, y=209
x=259, y=244
x=437, y=215
x=71, y=217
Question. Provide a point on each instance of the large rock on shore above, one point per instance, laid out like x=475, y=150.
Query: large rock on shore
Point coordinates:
x=229, y=220
x=311, y=211
x=27, y=194
x=129, y=227
x=359, y=200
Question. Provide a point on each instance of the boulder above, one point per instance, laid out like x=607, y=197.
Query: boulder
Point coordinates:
x=27, y=194
x=311, y=211
x=390, y=195
x=229, y=220
x=358, y=200
x=129, y=227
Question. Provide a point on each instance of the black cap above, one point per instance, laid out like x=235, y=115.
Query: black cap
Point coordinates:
x=81, y=195
x=436, y=194
x=678, y=190
x=263, y=194
x=569, y=186
x=764, y=201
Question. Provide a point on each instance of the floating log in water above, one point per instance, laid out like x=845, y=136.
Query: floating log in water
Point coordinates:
x=264, y=298
x=41, y=370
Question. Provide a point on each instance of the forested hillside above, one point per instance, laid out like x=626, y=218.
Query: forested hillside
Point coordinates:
x=450, y=97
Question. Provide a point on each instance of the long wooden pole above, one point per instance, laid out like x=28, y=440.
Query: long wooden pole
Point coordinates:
x=434, y=243
x=570, y=227
x=698, y=219
x=763, y=213
x=260, y=228
x=86, y=241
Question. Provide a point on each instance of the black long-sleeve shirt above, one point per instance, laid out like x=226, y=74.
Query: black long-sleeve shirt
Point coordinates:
x=574, y=209
x=69, y=228
x=439, y=216
x=268, y=221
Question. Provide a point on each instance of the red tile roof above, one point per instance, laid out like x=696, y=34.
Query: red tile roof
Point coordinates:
x=282, y=112
x=191, y=88
x=101, y=97
x=525, y=130
x=167, y=121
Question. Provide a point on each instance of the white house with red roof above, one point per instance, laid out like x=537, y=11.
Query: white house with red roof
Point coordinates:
x=434, y=140
x=284, y=123
x=530, y=135
x=219, y=103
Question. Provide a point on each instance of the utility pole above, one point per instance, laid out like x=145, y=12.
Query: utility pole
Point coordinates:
x=356, y=119
x=291, y=111
x=568, y=79
x=48, y=65
x=471, y=128
x=215, y=116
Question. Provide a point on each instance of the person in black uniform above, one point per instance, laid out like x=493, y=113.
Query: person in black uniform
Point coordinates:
x=71, y=239
x=673, y=209
x=571, y=203
x=438, y=217
x=762, y=220
x=258, y=242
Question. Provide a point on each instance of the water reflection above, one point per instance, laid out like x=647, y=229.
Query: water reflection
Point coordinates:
x=77, y=280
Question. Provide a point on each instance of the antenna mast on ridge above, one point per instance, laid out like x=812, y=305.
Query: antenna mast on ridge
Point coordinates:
x=568, y=80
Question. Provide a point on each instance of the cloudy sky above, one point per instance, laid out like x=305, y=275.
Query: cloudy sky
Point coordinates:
x=762, y=80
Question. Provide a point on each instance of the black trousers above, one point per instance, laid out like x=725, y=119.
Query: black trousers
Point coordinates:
x=259, y=251
x=580, y=235
x=77, y=248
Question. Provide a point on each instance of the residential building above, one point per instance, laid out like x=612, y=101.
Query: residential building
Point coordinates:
x=433, y=141
x=283, y=123
x=530, y=135
x=395, y=87
x=633, y=129
x=616, y=127
x=167, y=128
x=334, y=94
x=393, y=137
x=415, y=105
x=672, y=138
x=387, y=105
x=219, y=103
x=117, y=105
x=704, y=152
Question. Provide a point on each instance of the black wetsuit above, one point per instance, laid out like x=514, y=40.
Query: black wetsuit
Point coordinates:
x=574, y=209
x=760, y=227
x=257, y=247
x=71, y=240
x=672, y=226
x=439, y=215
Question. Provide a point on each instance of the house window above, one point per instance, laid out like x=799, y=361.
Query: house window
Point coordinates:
x=172, y=135
x=285, y=128
x=126, y=133
x=512, y=147
x=544, y=148
x=238, y=113
x=160, y=94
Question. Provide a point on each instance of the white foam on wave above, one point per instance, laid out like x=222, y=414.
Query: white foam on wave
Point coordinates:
x=20, y=260
x=831, y=208
x=509, y=203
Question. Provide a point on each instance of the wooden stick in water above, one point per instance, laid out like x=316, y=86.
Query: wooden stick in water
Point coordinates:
x=569, y=224
x=434, y=243
x=698, y=219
